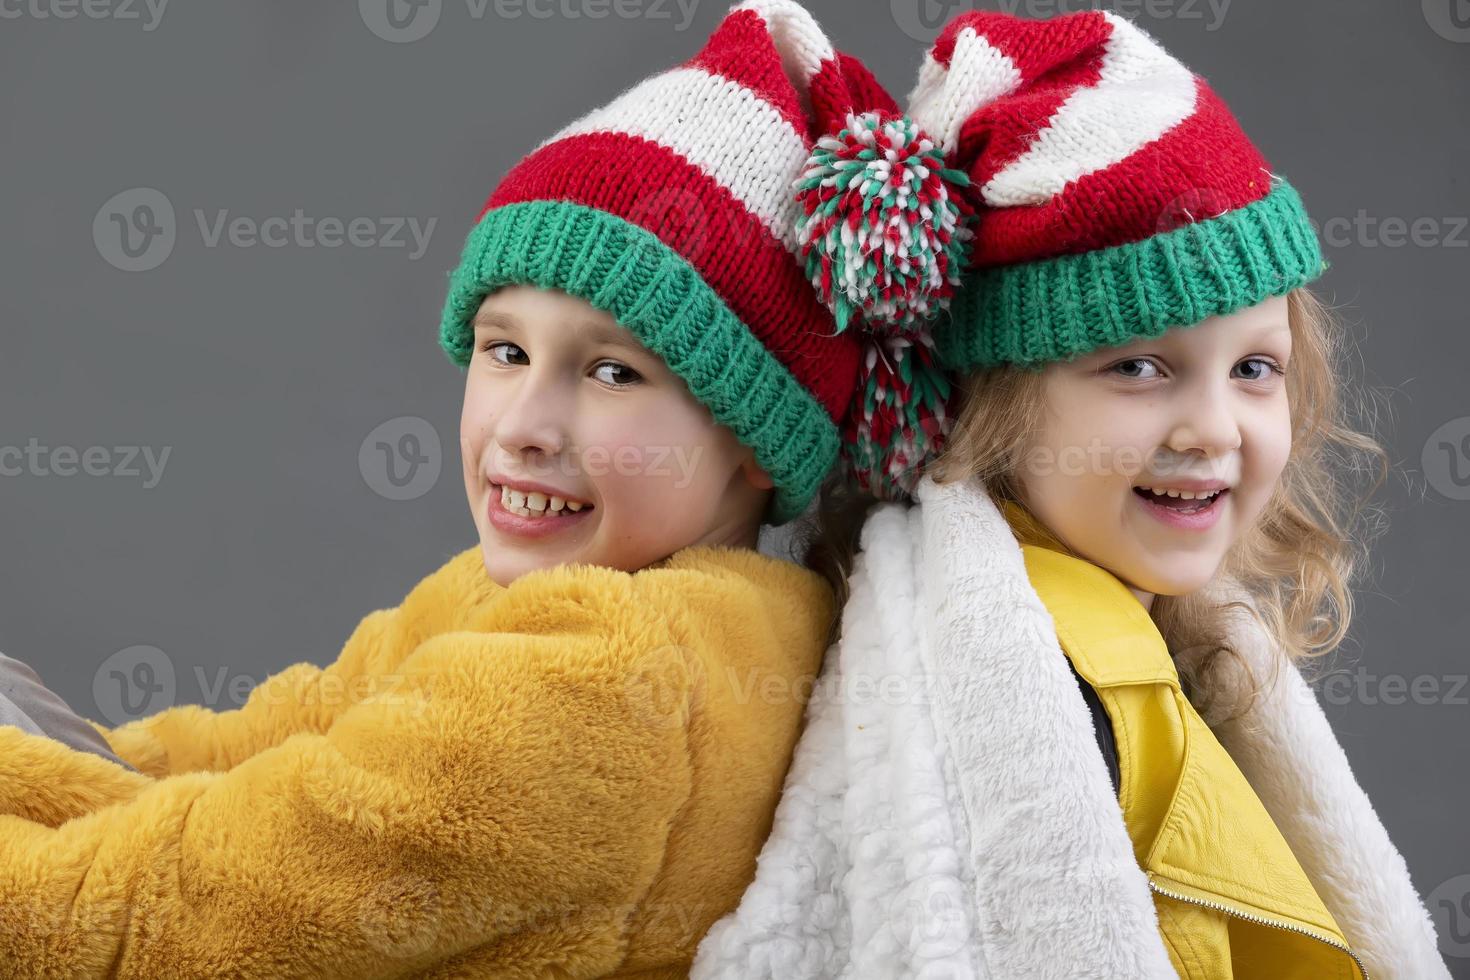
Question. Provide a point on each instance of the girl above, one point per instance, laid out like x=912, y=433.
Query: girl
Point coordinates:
x=546, y=761
x=1064, y=733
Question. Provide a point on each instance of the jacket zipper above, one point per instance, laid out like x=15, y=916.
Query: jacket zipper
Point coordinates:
x=1258, y=920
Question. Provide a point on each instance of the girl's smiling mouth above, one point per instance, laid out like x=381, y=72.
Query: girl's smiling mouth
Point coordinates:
x=1191, y=510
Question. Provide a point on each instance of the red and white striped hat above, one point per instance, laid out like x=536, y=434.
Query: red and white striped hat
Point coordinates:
x=1115, y=196
x=675, y=208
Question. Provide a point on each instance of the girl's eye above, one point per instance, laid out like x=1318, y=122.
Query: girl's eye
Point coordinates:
x=615, y=374
x=1126, y=368
x=1265, y=368
x=504, y=351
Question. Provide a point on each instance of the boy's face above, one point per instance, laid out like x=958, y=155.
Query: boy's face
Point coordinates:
x=1198, y=408
x=580, y=445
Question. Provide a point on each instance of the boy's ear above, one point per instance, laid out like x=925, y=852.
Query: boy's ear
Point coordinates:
x=753, y=471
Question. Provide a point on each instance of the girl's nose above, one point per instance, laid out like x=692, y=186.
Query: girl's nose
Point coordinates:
x=1206, y=422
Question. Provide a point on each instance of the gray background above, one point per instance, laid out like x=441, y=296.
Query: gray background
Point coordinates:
x=263, y=370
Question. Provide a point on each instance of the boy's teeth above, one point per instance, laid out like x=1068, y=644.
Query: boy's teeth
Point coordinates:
x=535, y=504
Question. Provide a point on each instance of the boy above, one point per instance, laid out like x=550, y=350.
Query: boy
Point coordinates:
x=560, y=754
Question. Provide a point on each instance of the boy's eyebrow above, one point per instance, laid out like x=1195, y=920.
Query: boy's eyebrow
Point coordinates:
x=592, y=331
x=612, y=335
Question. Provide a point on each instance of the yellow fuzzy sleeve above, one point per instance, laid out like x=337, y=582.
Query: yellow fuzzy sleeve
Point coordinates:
x=49, y=782
x=300, y=698
x=508, y=800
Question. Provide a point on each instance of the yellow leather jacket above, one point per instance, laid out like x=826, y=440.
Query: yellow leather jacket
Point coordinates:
x=1231, y=898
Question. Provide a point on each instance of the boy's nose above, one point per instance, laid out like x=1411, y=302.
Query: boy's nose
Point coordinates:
x=533, y=419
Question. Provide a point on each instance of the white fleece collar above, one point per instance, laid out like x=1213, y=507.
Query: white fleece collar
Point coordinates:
x=948, y=814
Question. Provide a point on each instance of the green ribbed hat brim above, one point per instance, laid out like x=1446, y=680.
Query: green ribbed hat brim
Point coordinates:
x=1033, y=313
x=656, y=294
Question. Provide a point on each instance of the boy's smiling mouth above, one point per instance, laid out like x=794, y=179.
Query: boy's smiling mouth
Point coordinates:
x=529, y=509
x=538, y=503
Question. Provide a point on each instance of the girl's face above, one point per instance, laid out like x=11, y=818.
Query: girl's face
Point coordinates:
x=1198, y=409
x=580, y=445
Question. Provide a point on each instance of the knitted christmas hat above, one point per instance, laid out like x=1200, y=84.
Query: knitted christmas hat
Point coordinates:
x=1115, y=194
x=676, y=209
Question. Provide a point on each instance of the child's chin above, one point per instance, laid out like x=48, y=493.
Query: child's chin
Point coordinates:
x=1180, y=578
x=505, y=563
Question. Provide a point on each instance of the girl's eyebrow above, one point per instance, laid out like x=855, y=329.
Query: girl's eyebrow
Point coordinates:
x=1273, y=329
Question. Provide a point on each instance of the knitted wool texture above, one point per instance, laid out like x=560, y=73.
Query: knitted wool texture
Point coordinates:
x=673, y=209
x=1118, y=197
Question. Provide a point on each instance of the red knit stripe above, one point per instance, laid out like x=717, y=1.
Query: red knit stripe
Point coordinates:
x=868, y=94
x=842, y=86
x=657, y=189
x=742, y=50
x=832, y=99
x=997, y=135
x=1034, y=46
x=1204, y=166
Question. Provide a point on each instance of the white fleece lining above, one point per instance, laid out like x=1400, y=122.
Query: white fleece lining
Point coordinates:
x=1024, y=843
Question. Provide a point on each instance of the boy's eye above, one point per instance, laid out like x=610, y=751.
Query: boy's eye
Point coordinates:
x=504, y=351
x=1264, y=368
x=615, y=374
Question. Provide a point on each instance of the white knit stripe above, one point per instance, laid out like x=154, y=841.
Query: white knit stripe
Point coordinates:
x=735, y=137
x=1142, y=92
x=943, y=99
x=796, y=34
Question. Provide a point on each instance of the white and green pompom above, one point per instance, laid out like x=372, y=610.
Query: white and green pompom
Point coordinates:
x=882, y=236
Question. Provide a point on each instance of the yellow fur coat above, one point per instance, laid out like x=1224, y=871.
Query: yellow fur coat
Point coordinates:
x=568, y=777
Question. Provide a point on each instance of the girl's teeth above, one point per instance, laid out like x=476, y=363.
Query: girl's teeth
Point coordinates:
x=536, y=501
x=556, y=503
x=1182, y=500
x=1183, y=494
